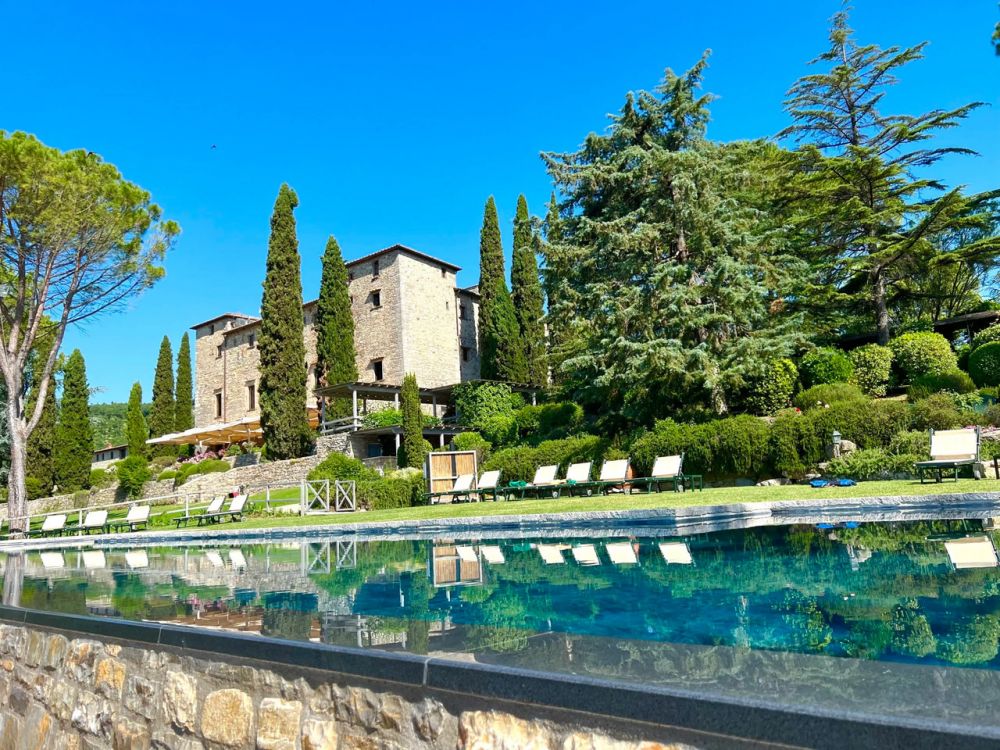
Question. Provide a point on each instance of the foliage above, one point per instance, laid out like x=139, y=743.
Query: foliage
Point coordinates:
x=478, y=402
x=984, y=364
x=773, y=389
x=501, y=430
x=917, y=354
x=911, y=442
x=791, y=444
x=35, y=488
x=283, y=417
x=163, y=413
x=992, y=415
x=184, y=396
x=937, y=412
x=821, y=396
x=826, y=365
x=473, y=441
x=954, y=381
x=42, y=445
x=108, y=422
x=397, y=492
x=136, y=429
x=74, y=440
x=986, y=336
x=101, y=478
x=548, y=421
x=501, y=353
x=872, y=368
x=207, y=466
x=411, y=450
x=519, y=463
x=133, y=473
x=873, y=463
x=338, y=466
x=665, y=279
x=335, y=352
x=167, y=474
x=526, y=294
x=392, y=417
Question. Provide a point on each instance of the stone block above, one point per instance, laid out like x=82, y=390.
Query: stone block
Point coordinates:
x=38, y=726
x=429, y=719
x=109, y=676
x=227, y=718
x=278, y=724
x=319, y=735
x=35, y=649
x=61, y=699
x=19, y=701
x=92, y=714
x=55, y=652
x=140, y=696
x=129, y=736
x=80, y=659
x=180, y=698
x=10, y=730
x=493, y=730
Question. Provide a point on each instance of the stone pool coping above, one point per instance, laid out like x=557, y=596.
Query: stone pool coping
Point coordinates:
x=725, y=719
x=690, y=519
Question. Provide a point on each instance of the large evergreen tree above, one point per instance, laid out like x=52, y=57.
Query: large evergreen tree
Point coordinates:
x=74, y=438
x=501, y=355
x=184, y=401
x=526, y=293
x=283, y=415
x=163, y=413
x=868, y=213
x=335, y=328
x=136, y=429
x=550, y=283
x=412, y=450
x=41, y=469
x=662, y=281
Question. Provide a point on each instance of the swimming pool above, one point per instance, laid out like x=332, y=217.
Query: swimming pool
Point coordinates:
x=900, y=617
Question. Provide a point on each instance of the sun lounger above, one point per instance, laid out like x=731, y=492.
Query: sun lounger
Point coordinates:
x=466, y=554
x=552, y=554
x=137, y=558
x=53, y=560
x=972, y=552
x=578, y=479
x=93, y=559
x=237, y=560
x=621, y=553
x=460, y=489
x=585, y=554
x=54, y=525
x=669, y=470
x=543, y=481
x=234, y=512
x=213, y=507
x=138, y=515
x=613, y=474
x=487, y=485
x=95, y=520
x=214, y=558
x=492, y=554
x=677, y=553
x=951, y=449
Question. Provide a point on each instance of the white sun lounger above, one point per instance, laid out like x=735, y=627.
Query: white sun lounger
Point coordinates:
x=949, y=450
x=137, y=558
x=53, y=560
x=53, y=524
x=676, y=552
x=552, y=554
x=487, y=484
x=237, y=560
x=613, y=473
x=621, y=553
x=585, y=554
x=93, y=559
x=215, y=558
x=492, y=554
x=138, y=515
x=466, y=554
x=461, y=488
x=972, y=552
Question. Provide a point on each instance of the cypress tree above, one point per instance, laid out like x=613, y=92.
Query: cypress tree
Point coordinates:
x=163, y=412
x=526, y=292
x=412, y=450
x=500, y=353
x=136, y=429
x=283, y=415
x=40, y=468
x=184, y=406
x=74, y=435
x=335, y=328
x=553, y=234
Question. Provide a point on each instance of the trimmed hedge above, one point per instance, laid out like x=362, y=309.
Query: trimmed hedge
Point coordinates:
x=923, y=353
x=874, y=463
x=132, y=474
x=825, y=365
x=984, y=364
x=472, y=441
x=519, y=463
x=383, y=494
x=955, y=381
x=938, y=412
x=208, y=466
x=872, y=368
x=821, y=396
x=771, y=391
x=338, y=466
x=549, y=421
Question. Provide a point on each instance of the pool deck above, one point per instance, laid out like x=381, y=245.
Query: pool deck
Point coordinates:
x=657, y=521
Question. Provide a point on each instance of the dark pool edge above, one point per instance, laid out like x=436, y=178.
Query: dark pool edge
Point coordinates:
x=727, y=717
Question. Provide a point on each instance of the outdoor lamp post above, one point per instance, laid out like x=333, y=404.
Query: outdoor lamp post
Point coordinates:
x=836, y=444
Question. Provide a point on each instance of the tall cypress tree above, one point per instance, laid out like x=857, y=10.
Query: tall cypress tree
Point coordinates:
x=136, y=429
x=335, y=327
x=163, y=412
x=283, y=415
x=184, y=406
x=501, y=355
x=526, y=292
x=74, y=435
x=41, y=469
x=412, y=450
x=553, y=236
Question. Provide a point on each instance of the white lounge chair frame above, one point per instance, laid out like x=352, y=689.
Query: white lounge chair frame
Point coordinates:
x=951, y=449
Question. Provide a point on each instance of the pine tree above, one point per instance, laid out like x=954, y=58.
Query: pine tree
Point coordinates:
x=501, y=355
x=74, y=436
x=163, y=412
x=184, y=406
x=526, y=293
x=335, y=328
x=136, y=429
x=412, y=451
x=283, y=415
x=41, y=468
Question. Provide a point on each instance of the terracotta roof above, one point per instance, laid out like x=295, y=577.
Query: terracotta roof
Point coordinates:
x=407, y=251
x=224, y=316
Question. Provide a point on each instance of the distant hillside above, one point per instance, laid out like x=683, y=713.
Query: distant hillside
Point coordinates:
x=108, y=421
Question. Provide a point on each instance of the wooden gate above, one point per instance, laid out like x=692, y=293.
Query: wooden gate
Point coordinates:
x=442, y=469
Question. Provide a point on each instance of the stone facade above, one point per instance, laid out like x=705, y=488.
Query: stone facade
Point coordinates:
x=409, y=316
x=63, y=692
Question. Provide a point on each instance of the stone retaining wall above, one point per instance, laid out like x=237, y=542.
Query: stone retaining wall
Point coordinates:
x=61, y=692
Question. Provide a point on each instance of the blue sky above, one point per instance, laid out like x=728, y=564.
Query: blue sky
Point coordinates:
x=395, y=121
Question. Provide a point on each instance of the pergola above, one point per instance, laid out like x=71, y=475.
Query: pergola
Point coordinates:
x=222, y=433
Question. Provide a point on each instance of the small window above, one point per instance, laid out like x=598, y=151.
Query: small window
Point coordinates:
x=444, y=272
x=463, y=312
x=377, y=368
x=377, y=298
x=447, y=305
x=218, y=404
x=218, y=352
x=211, y=329
x=375, y=269
x=466, y=353
x=251, y=396
x=252, y=340
x=350, y=275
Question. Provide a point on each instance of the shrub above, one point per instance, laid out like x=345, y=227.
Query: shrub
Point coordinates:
x=825, y=365
x=873, y=464
x=168, y=474
x=549, y=421
x=477, y=402
x=937, y=412
x=500, y=429
x=396, y=492
x=872, y=368
x=772, y=390
x=208, y=466
x=162, y=462
x=868, y=424
x=473, y=441
x=917, y=354
x=99, y=478
x=338, y=466
x=393, y=417
x=911, y=442
x=35, y=488
x=736, y=446
x=984, y=364
x=992, y=415
x=741, y=446
x=792, y=445
x=133, y=473
x=828, y=394
x=954, y=381
x=986, y=336
x=519, y=463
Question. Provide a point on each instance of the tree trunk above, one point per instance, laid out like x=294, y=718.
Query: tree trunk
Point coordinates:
x=881, y=310
x=13, y=580
x=17, y=493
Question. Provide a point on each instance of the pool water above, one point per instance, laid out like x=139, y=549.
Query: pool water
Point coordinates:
x=738, y=610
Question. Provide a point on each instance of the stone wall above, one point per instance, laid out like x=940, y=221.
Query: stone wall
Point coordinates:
x=61, y=691
x=429, y=315
x=90, y=499
x=377, y=329
x=468, y=334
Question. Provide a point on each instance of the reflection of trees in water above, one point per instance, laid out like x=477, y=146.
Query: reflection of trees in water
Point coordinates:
x=288, y=615
x=68, y=596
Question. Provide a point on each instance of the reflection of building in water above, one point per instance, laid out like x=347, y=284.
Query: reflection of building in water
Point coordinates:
x=858, y=555
x=455, y=566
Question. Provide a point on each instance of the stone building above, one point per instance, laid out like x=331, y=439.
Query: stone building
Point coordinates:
x=409, y=316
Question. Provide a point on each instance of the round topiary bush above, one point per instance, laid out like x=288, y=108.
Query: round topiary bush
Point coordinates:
x=339, y=466
x=828, y=394
x=825, y=365
x=986, y=336
x=917, y=354
x=954, y=381
x=984, y=364
x=937, y=412
x=772, y=390
x=133, y=472
x=872, y=368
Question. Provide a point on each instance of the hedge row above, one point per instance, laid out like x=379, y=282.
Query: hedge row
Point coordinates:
x=519, y=463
